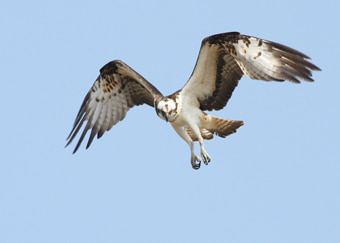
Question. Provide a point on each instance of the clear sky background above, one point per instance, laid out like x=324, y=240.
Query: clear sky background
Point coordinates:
x=275, y=180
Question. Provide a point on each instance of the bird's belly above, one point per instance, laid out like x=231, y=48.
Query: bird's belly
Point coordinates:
x=188, y=118
x=180, y=122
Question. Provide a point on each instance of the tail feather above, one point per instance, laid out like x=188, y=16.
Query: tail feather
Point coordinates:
x=218, y=126
x=206, y=134
x=224, y=127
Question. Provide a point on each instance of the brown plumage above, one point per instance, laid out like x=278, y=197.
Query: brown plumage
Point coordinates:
x=231, y=55
x=218, y=126
x=117, y=89
x=222, y=61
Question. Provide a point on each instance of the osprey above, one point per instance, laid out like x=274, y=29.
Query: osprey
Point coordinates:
x=222, y=61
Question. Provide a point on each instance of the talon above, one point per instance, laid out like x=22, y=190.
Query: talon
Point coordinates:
x=195, y=165
x=206, y=158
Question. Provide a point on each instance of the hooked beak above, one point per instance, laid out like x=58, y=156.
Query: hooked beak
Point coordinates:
x=166, y=116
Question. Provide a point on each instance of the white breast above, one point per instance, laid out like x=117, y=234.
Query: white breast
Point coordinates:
x=188, y=111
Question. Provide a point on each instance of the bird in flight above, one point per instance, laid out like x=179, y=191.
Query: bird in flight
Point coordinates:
x=223, y=59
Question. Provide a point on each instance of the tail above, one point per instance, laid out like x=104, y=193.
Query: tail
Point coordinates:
x=224, y=127
x=218, y=126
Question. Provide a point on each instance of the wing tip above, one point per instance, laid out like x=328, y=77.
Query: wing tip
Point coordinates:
x=217, y=38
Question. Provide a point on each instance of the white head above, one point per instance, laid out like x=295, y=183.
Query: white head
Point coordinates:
x=166, y=109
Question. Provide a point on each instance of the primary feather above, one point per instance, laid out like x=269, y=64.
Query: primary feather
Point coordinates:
x=222, y=61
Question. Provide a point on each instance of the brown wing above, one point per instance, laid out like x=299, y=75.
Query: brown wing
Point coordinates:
x=224, y=58
x=116, y=90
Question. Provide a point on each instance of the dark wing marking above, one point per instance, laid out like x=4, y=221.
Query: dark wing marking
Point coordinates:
x=224, y=58
x=116, y=90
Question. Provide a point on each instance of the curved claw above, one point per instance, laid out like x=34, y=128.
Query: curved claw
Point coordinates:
x=205, y=156
x=195, y=165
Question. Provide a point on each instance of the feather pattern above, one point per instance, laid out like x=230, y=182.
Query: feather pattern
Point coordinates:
x=116, y=90
x=225, y=58
x=222, y=61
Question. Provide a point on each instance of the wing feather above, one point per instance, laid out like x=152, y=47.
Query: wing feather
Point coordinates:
x=224, y=58
x=106, y=121
x=117, y=89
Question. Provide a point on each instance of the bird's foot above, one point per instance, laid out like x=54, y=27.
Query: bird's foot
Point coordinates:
x=195, y=165
x=205, y=156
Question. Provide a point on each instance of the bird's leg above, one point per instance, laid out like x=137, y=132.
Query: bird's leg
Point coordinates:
x=205, y=156
x=194, y=158
x=180, y=131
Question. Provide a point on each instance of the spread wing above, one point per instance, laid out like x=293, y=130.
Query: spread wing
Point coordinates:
x=224, y=58
x=116, y=90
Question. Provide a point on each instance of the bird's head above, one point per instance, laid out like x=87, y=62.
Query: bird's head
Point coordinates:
x=166, y=109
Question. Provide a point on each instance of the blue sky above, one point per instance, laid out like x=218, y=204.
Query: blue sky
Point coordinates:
x=275, y=180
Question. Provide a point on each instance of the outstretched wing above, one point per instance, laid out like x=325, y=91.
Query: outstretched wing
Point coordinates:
x=224, y=58
x=116, y=90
